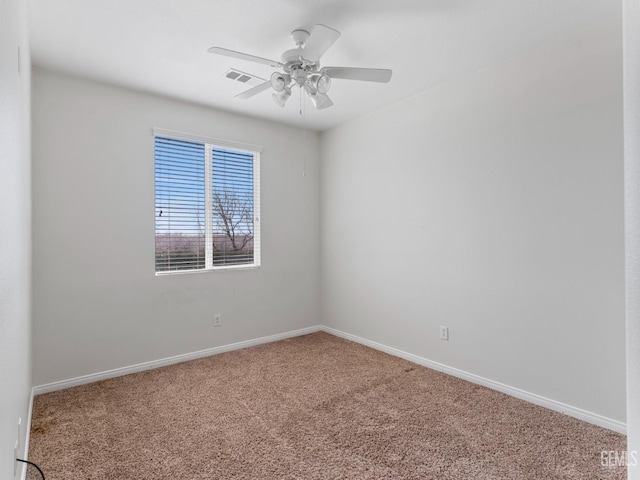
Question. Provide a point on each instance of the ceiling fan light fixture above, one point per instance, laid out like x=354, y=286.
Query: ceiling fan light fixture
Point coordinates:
x=281, y=97
x=323, y=83
x=310, y=88
x=279, y=81
x=320, y=101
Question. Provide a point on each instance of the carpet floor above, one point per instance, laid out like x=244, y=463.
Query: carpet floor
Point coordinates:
x=310, y=407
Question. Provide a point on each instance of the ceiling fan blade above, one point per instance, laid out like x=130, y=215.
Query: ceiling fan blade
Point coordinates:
x=321, y=38
x=381, y=75
x=243, y=56
x=254, y=91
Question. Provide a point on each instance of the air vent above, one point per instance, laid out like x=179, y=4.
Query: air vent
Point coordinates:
x=243, y=77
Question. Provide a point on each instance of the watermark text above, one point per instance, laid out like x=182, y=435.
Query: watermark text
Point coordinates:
x=619, y=458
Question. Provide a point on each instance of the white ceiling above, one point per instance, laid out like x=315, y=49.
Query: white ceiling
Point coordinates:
x=160, y=46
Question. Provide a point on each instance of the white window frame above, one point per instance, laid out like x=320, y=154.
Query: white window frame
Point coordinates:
x=210, y=143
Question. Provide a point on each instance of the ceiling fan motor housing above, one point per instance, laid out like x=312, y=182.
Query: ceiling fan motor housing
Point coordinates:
x=294, y=59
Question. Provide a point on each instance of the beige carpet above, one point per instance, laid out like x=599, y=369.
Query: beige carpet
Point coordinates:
x=311, y=407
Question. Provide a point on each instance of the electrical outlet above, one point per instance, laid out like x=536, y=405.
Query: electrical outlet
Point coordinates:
x=217, y=320
x=444, y=332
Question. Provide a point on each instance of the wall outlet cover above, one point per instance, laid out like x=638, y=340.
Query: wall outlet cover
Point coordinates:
x=444, y=332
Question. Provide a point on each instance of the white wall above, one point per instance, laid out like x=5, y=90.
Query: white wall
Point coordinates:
x=492, y=205
x=97, y=302
x=632, y=222
x=15, y=240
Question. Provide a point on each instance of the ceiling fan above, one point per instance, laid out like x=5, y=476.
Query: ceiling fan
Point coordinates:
x=301, y=66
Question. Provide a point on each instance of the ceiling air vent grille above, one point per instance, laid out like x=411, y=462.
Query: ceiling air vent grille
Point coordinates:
x=243, y=77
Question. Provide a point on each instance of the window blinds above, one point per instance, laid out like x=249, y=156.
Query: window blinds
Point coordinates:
x=207, y=206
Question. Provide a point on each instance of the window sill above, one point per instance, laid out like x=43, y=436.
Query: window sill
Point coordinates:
x=208, y=270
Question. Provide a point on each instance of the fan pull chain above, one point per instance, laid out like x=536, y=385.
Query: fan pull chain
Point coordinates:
x=301, y=100
x=304, y=134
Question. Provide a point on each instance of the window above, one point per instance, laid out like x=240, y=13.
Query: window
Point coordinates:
x=207, y=204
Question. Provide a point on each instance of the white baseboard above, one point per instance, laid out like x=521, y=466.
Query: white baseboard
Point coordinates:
x=575, y=412
x=117, y=372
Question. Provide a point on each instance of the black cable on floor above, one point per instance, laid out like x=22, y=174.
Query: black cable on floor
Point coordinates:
x=31, y=463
